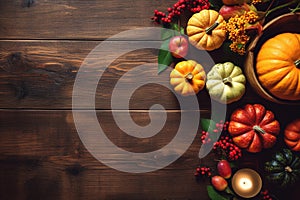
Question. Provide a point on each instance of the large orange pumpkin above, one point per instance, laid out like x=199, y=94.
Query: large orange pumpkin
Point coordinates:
x=292, y=135
x=278, y=66
x=206, y=30
x=253, y=128
x=188, y=78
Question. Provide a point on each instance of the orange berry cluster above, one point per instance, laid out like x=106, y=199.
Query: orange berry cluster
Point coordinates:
x=256, y=1
x=236, y=28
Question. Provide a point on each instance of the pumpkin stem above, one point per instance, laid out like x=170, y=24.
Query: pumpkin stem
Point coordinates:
x=297, y=63
x=288, y=169
x=258, y=129
x=211, y=28
x=227, y=80
x=189, y=76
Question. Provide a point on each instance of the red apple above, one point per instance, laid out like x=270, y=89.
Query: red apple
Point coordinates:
x=219, y=183
x=224, y=169
x=231, y=11
x=178, y=46
x=233, y=2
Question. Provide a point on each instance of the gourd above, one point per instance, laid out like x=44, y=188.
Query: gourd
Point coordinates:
x=253, y=128
x=188, y=78
x=283, y=169
x=292, y=135
x=226, y=83
x=206, y=30
x=278, y=66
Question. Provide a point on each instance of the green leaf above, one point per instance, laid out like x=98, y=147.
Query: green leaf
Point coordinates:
x=216, y=4
x=233, y=165
x=165, y=57
x=205, y=124
x=167, y=34
x=229, y=191
x=209, y=125
x=176, y=28
x=214, y=195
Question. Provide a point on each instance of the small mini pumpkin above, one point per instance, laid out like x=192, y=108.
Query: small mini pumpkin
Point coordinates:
x=226, y=83
x=253, y=128
x=283, y=169
x=278, y=66
x=188, y=78
x=292, y=135
x=206, y=30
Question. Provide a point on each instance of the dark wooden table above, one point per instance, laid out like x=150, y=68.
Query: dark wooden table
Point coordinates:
x=42, y=47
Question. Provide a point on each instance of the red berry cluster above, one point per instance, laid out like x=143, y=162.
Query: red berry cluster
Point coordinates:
x=178, y=8
x=205, y=137
x=203, y=171
x=266, y=195
x=224, y=145
x=219, y=128
x=227, y=147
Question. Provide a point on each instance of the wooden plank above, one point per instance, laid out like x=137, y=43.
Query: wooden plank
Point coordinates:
x=51, y=133
x=41, y=74
x=42, y=157
x=89, y=19
x=45, y=182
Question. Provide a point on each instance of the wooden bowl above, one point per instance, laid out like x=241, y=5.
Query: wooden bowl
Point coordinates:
x=285, y=23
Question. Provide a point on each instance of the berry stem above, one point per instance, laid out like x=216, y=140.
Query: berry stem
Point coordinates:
x=281, y=6
x=229, y=191
x=296, y=9
x=217, y=160
x=179, y=25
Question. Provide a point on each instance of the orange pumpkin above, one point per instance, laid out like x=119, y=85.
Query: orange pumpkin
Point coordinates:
x=253, y=128
x=188, y=78
x=278, y=66
x=292, y=135
x=206, y=30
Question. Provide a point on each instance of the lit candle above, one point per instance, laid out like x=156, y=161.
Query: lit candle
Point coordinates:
x=246, y=183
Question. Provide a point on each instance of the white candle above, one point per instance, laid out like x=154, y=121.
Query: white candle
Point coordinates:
x=246, y=183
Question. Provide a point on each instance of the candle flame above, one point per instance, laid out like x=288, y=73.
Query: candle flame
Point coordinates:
x=245, y=184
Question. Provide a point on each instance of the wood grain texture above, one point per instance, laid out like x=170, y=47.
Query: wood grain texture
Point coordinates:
x=43, y=158
x=76, y=19
x=42, y=47
x=41, y=74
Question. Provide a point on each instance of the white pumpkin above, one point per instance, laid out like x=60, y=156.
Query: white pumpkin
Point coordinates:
x=226, y=83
